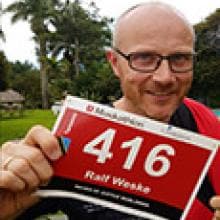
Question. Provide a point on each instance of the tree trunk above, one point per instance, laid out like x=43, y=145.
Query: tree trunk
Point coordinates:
x=76, y=60
x=43, y=73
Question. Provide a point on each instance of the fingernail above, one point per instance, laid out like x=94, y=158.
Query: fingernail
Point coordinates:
x=55, y=155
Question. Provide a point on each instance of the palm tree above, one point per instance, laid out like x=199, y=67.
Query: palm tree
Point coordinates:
x=37, y=13
x=2, y=36
x=80, y=34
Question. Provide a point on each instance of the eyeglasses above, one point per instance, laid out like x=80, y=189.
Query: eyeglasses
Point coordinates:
x=147, y=62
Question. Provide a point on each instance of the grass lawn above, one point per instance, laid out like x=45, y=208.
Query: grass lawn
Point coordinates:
x=14, y=128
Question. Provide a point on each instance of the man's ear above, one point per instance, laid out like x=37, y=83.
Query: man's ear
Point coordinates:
x=113, y=60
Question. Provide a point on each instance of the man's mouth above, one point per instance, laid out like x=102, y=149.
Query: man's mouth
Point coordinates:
x=160, y=96
x=159, y=93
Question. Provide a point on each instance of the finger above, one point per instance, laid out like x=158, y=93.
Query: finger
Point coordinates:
x=25, y=200
x=15, y=203
x=217, y=215
x=215, y=202
x=42, y=137
x=22, y=169
x=10, y=181
x=34, y=157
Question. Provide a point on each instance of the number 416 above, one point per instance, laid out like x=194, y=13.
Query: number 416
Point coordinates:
x=104, y=153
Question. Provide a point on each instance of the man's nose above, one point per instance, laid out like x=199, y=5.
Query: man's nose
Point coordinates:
x=163, y=74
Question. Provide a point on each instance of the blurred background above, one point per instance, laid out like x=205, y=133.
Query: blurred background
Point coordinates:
x=51, y=48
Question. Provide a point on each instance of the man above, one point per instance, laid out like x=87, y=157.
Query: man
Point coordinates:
x=152, y=56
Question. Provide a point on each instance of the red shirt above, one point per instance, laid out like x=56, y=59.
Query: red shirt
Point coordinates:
x=208, y=125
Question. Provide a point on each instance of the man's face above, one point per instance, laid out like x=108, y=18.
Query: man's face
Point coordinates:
x=156, y=94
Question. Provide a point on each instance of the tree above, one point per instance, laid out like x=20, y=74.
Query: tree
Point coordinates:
x=4, y=70
x=2, y=36
x=80, y=35
x=37, y=13
x=25, y=78
x=206, y=86
x=97, y=84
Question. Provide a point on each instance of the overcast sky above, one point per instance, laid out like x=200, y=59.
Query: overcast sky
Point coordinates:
x=20, y=46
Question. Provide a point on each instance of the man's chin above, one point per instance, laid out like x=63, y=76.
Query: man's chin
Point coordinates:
x=159, y=116
x=160, y=113
x=164, y=119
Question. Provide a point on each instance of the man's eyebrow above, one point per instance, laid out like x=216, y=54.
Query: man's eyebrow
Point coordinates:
x=183, y=53
x=144, y=51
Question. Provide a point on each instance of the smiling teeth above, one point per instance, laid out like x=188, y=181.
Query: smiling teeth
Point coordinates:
x=159, y=93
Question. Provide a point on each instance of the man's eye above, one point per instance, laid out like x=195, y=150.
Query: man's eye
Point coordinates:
x=179, y=58
x=143, y=57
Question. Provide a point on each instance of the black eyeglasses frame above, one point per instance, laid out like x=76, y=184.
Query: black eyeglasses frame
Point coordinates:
x=161, y=58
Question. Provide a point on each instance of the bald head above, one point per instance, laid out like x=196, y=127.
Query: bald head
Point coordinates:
x=153, y=12
x=153, y=42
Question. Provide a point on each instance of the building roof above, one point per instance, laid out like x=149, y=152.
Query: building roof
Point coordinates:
x=11, y=96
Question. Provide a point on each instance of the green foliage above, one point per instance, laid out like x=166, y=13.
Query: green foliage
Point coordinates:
x=37, y=14
x=206, y=85
x=80, y=38
x=98, y=84
x=4, y=69
x=79, y=34
x=210, y=22
x=2, y=35
x=25, y=79
x=16, y=128
x=72, y=54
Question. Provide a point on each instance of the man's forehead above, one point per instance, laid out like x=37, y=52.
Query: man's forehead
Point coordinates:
x=150, y=16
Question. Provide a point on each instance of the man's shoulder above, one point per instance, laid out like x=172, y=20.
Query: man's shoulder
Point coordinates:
x=207, y=122
x=200, y=110
x=191, y=103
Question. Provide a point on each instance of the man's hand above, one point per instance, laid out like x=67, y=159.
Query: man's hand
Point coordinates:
x=24, y=166
x=215, y=203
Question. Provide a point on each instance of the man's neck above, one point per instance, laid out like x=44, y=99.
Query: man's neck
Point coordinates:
x=125, y=105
